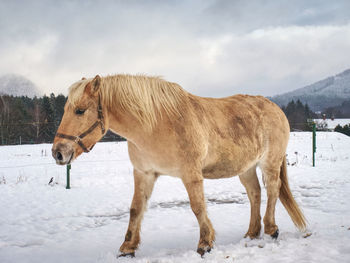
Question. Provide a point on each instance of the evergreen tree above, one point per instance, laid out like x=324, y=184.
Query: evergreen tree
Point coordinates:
x=345, y=129
x=298, y=114
x=33, y=119
x=48, y=128
x=60, y=101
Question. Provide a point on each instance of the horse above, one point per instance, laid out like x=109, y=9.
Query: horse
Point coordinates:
x=170, y=131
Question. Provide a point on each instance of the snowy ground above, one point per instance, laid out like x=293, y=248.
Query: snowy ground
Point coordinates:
x=43, y=223
x=331, y=124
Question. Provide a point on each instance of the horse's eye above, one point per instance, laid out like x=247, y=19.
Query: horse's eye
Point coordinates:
x=79, y=112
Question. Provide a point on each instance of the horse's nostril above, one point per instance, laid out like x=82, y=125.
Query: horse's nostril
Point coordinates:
x=59, y=156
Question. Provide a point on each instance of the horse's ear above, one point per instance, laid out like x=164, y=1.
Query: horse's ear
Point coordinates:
x=94, y=86
x=96, y=83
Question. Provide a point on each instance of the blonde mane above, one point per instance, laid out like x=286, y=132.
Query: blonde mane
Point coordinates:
x=142, y=96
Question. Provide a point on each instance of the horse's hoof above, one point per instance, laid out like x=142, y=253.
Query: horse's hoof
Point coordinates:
x=275, y=235
x=252, y=236
x=127, y=255
x=202, y=251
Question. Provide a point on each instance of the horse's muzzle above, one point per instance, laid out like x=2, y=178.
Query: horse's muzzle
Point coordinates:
x=62, y=153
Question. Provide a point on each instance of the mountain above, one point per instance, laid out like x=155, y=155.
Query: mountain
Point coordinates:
x=17, y=85
x=329, y=92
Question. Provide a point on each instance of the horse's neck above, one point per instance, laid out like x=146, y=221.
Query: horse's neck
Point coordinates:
x=125, y=125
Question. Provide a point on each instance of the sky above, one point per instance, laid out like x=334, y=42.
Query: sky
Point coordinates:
x=211, y=48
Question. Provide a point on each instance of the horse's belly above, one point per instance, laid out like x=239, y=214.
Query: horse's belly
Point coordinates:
x=222, y=168
x=224, y=162
x=218, y=171
x=226, y=169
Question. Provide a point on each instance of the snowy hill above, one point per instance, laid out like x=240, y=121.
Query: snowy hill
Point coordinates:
x=43, y=223
x=17, y=85
x=328, y=92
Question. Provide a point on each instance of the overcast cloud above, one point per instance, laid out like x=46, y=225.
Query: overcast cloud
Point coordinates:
x=212, y=48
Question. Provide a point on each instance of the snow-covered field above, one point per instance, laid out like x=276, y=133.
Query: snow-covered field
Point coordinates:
x=331, y=124
x=43, y=223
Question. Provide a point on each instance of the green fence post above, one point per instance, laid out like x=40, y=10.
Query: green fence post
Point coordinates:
x=68, y=176
x=313, y=143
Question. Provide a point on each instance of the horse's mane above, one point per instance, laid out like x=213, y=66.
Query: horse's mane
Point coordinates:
x=146, y=98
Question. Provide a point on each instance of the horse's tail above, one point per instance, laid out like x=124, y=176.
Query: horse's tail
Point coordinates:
x=288, y=200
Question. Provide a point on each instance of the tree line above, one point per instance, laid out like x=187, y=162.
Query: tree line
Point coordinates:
x=26, y=120
x=298, y=115
x=343, y=129
x=341, y=111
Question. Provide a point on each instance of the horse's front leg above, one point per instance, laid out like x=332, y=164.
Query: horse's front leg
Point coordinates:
x=193, y=182
x=143, y=186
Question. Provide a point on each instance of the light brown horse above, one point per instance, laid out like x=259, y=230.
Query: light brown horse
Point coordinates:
x=173, y=132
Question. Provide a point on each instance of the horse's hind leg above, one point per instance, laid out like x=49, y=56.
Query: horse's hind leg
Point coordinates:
x=251, y=183
x=271, y=176
x=193, y=182
x=143, y=186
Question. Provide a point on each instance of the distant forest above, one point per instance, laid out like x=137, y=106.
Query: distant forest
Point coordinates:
x=26, y=120
x=298, y=115
x=341, y=111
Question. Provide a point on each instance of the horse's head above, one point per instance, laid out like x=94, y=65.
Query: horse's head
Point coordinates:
x=83, y=122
